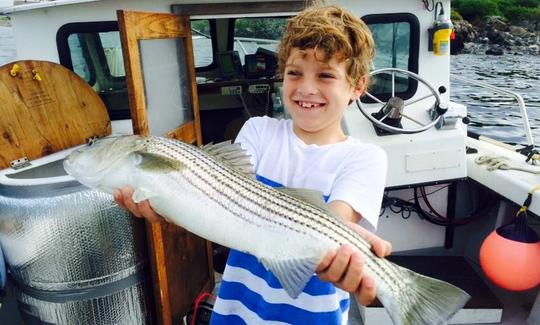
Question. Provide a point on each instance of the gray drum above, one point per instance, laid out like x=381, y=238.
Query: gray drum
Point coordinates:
x=73, y=255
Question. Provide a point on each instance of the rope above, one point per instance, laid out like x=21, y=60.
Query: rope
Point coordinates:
x=527, y=203
x=500, y=162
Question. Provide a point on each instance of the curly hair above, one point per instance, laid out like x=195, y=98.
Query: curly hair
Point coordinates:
x=334, y=31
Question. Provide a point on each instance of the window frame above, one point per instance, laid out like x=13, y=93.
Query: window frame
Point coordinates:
x=213, y=65
x=231, y=35
x=414, y=49
x=64, y=53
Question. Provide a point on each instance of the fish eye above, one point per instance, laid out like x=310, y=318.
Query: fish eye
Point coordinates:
x=136, y=158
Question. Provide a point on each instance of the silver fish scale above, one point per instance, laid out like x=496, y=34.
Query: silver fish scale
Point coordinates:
x=243, y=197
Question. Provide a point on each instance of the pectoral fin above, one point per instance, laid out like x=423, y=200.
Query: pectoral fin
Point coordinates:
x=141, y=194
x=293, y=274
x=156, y=163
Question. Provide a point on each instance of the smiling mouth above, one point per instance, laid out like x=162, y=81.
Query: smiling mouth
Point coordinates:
x=309, y=105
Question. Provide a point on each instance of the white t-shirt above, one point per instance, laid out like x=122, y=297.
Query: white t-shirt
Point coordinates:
x=349, y=171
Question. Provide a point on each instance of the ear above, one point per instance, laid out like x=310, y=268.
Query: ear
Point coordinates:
x=359, y=89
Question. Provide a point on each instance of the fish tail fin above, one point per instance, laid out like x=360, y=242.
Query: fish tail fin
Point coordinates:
x=422, y=300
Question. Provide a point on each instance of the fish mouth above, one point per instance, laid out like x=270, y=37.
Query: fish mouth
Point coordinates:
x=90, y=181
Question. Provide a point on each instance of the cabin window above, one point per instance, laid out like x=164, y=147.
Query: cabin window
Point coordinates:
x=397, y=44
x=80, y=66
x=94, y=52
x=202, y=44
x=250, y=34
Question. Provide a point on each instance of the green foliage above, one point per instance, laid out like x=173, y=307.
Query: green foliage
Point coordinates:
x=475, y=9
x=512, y=10
x=517, y=14
x=201, y=26
x=455, y=16
x=527, y=3
x=259, y=28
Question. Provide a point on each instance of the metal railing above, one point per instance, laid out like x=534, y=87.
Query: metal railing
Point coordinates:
x=239, y=41
x=516, y=96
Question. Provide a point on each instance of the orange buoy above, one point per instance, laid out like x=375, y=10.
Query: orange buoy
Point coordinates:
x=510, y=256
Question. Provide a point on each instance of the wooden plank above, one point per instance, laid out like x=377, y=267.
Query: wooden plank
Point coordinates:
x=46, y=108
x=181, y=262
x=186, y=133
x=188, y=276
x=190, y=64
x=148, y=25
x=134, y=77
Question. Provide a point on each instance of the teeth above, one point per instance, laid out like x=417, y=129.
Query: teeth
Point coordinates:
x=308, y=105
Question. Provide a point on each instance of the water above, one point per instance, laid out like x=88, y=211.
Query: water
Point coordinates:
x=492, y=115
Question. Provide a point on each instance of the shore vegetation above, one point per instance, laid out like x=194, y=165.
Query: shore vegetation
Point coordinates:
x=513, y=11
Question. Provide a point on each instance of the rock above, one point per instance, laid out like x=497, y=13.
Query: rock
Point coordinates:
x=464, y=32
x=495, y=50
x=496, y=23
x=518, y=31
x=468, y=47
x=495, y=36
x=530, y=25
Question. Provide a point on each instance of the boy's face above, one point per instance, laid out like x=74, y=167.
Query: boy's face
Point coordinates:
x=317, y=93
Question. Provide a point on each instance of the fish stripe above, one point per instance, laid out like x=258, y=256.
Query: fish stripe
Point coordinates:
x=253, y=199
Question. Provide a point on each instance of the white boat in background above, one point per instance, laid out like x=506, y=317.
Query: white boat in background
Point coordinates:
x=441, y=199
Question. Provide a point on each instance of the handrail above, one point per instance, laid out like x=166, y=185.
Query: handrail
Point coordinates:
x=517, y=97
x=251, y=39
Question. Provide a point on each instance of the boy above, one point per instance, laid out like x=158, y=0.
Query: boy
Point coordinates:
x=324, y=58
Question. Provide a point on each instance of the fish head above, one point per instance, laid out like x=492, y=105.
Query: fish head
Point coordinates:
x=99, y=159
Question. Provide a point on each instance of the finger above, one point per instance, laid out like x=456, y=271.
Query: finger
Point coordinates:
x=367, y=291
x=118, y=198
x=379, y=246
x=326, y=261
x=146, y=210
x=337, y=268
x=128, y=201
x=382, y=248
x=353, y=277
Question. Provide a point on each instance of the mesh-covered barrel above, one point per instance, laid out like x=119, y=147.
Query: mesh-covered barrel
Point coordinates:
x=74, y=256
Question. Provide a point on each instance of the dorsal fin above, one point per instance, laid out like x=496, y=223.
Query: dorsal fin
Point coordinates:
x=231, y=154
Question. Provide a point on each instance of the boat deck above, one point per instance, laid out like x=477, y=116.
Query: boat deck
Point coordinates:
x=511, y=184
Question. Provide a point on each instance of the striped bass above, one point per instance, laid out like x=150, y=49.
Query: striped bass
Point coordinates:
x=210, y=192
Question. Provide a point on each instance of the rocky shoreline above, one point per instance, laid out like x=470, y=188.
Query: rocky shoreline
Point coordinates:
x=494, y=36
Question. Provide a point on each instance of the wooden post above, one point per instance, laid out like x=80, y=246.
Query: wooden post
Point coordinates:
x=181, y=262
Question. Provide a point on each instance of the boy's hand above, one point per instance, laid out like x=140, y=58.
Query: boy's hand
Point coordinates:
x=345, y=267
x=123, y=196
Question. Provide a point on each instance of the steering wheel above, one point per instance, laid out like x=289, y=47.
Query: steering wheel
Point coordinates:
x=393, y=108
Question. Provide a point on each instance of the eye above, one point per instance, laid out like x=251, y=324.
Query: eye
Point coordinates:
x=326, y=75
x=294, y=73
x=136, y=158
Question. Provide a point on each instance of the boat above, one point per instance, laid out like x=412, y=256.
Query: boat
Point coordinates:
x=446, y=190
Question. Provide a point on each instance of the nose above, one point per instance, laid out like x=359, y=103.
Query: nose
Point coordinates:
x=308, y=87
